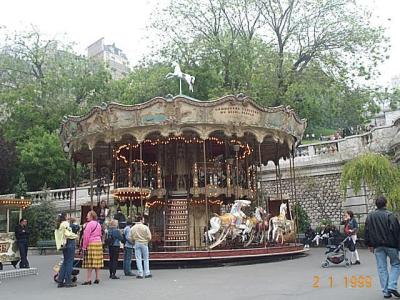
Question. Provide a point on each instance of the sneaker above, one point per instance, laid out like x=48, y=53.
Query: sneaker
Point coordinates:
x=394, y=293
x=139, y=277
x=60, y=285
x=114, y=277
x=148, y=276
x=357, y=262
x=68, y=285
x=386, y=296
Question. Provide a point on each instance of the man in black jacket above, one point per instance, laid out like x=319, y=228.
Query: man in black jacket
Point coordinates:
x=22, y=236
x=382, y=232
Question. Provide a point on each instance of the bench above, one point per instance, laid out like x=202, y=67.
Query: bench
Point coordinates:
x=43, y=245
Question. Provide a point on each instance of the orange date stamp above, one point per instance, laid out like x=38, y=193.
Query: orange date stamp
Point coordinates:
x=347, y=281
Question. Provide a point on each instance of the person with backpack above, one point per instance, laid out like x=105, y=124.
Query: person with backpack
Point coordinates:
x=113, y=240
x=128, y=249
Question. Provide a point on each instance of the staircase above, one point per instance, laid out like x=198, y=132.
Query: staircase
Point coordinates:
x=177, y=223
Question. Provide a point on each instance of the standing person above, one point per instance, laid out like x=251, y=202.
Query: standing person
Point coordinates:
x=22, y=236
x=382, y=231
x=120, y=217
x=92, y=248
x=351, y=228
x=65, y=240
x=141, y=235
x=128, y=249
x=113, y=241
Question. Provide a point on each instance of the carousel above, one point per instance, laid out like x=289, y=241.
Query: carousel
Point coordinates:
x=193, y=168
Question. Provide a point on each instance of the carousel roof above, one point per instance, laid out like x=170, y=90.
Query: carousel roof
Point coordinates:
x=234, y=116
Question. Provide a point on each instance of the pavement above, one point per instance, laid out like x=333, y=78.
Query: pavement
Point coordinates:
x=299, y=278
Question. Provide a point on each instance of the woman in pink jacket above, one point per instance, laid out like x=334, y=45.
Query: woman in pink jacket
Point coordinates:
x=92, y=248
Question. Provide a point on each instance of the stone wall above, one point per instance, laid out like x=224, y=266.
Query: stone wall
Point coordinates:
x=319, y=196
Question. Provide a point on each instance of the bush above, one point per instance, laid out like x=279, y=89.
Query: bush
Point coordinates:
x=323, y=224
x=302, y=218
x=41, y=221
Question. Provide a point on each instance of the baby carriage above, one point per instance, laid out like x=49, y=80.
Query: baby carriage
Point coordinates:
x=57, y=268
x=337, y=254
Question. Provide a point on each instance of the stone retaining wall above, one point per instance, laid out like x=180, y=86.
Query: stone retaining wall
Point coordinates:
x=319, y=196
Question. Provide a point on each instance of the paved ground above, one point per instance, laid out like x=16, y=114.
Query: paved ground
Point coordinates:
x=291, y=279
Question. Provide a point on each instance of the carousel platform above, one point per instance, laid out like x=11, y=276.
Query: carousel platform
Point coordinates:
x=214, y=258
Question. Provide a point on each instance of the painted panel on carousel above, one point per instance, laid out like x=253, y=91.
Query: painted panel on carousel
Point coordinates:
x=8, y=247
x=230, y=112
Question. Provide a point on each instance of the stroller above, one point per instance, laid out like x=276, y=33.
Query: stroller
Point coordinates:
x=337, y=254
x=57, y=268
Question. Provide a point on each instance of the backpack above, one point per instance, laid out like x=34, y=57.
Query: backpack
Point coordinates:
x=109, y=241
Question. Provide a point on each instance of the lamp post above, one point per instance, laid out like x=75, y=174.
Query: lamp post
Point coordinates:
x=236, y=149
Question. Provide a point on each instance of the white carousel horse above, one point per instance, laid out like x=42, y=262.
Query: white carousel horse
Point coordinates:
x=230, y=222
x=183, y=76
x=279, y=225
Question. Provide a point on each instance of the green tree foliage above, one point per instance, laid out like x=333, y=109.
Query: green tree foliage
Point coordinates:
x=306, y=54
x=8, y=160
x=22, y=187
x=42, y=160
x=377, y=172
x=41, y=221
x=303, y=219
x=41, y=80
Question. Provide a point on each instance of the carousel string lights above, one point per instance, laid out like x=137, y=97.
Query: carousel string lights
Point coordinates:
x=21, y=203
x=245, y=148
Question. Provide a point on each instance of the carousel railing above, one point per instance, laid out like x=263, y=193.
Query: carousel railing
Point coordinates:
x=194, y=242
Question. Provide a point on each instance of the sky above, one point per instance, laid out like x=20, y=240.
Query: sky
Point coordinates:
x=124, y=23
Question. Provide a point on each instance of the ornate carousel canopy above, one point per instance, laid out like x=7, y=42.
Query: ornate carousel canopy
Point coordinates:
x=238, y=118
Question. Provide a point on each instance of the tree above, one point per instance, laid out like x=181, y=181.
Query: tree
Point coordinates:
x=41, y=218
x=8, y=160
x=377, y=172
x=307, y=54
x=22, y=187
x=42, y=80
x=42, y=160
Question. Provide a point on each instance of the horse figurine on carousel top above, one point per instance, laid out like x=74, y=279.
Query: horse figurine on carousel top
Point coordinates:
x=180, y=75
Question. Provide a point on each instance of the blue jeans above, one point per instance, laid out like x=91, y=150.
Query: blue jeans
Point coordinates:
x=142, y=251
x=23, y=253
x=388, y=280
x=64, y=276
x=128, y=260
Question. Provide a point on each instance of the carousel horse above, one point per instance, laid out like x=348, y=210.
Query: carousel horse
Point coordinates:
x=262, y=226
x=254, y=226
x=279, y=225
x=183, y=76
x=231, y=223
